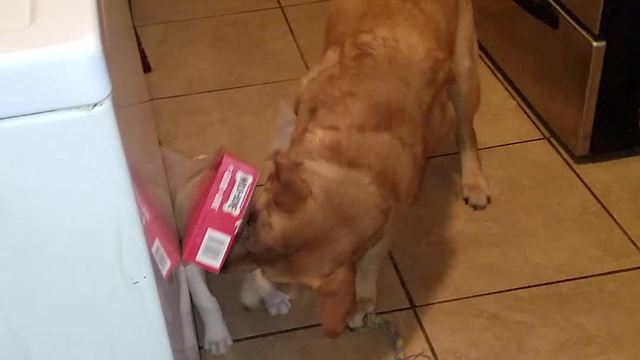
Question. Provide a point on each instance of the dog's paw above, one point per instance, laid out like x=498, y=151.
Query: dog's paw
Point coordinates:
x=277, y=302
x=217, y=340
x=476, y=194
x=356, y=321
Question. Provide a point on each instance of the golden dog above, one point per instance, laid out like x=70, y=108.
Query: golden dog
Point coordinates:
x=368, y=116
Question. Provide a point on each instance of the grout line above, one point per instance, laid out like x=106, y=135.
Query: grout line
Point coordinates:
x=491, y=147
x=510, y=143
x=224, y=89
x=414, y=310
x=548, y=136
x=401, y=309
x=274, y=333
x=293, y=35
x=306, y=327
x=304, y=3
x=131, y=105
x=206, y=17
x=526, y=287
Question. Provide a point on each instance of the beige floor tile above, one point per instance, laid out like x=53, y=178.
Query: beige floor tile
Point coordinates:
x=617, y=184
x=243, y=323
x=155, y=11
x=308, y=23
x=311, y=344
x=221, y=52
x=522, y=102
x=597, y=318
x=543, y=225
x=500, y=120
x=242, y=120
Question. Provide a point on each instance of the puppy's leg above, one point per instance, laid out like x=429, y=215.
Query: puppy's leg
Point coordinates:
x=216, y=335
x=186, y=313
x=367, y=274
x=256, y=289
x=465, y=96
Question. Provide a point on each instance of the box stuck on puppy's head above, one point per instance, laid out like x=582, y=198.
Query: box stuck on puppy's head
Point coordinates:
x=217, y=211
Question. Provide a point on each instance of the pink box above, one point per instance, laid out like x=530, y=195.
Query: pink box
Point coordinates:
x=217, y=212
x=161, y=239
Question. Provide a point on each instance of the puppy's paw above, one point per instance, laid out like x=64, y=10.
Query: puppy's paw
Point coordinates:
x=357, y=320
x=250, y=294
x=217, y=340
x=277, y=302
x=476, y=194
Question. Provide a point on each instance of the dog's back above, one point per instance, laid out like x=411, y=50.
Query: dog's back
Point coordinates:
x=419, y=24
x=371, y=102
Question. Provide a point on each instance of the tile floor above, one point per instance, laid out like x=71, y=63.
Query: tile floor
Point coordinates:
x=549, y=271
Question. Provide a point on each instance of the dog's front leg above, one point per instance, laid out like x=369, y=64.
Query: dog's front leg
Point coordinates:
x=216, y=335
x=256, y=289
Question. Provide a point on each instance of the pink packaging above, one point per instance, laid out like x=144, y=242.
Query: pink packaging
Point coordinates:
x=161, y=239
x=217, y=212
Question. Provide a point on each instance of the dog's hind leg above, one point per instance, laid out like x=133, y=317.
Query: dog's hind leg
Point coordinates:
x=465, y=96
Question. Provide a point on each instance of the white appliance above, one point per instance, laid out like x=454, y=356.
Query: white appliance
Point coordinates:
x=76, y=279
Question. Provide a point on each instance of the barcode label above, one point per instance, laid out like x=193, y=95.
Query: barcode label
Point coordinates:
x=213, y=247
x=238, y=194
x=162, y=260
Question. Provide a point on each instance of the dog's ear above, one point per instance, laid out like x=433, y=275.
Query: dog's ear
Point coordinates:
x=284, y=125
x=336, y=299
x=289, y=189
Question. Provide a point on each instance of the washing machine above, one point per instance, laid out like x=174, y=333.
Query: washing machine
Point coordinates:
x=76, y=277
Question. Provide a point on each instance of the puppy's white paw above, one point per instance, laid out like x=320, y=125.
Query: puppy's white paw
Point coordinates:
x=250, y=295
x=277, y=302
x=357, y=320
x=217, y=340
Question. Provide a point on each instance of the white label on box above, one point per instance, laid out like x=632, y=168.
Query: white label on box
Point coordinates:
x=238, y=194
x=213, y=248
x=221, y=189
x=160, y=255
